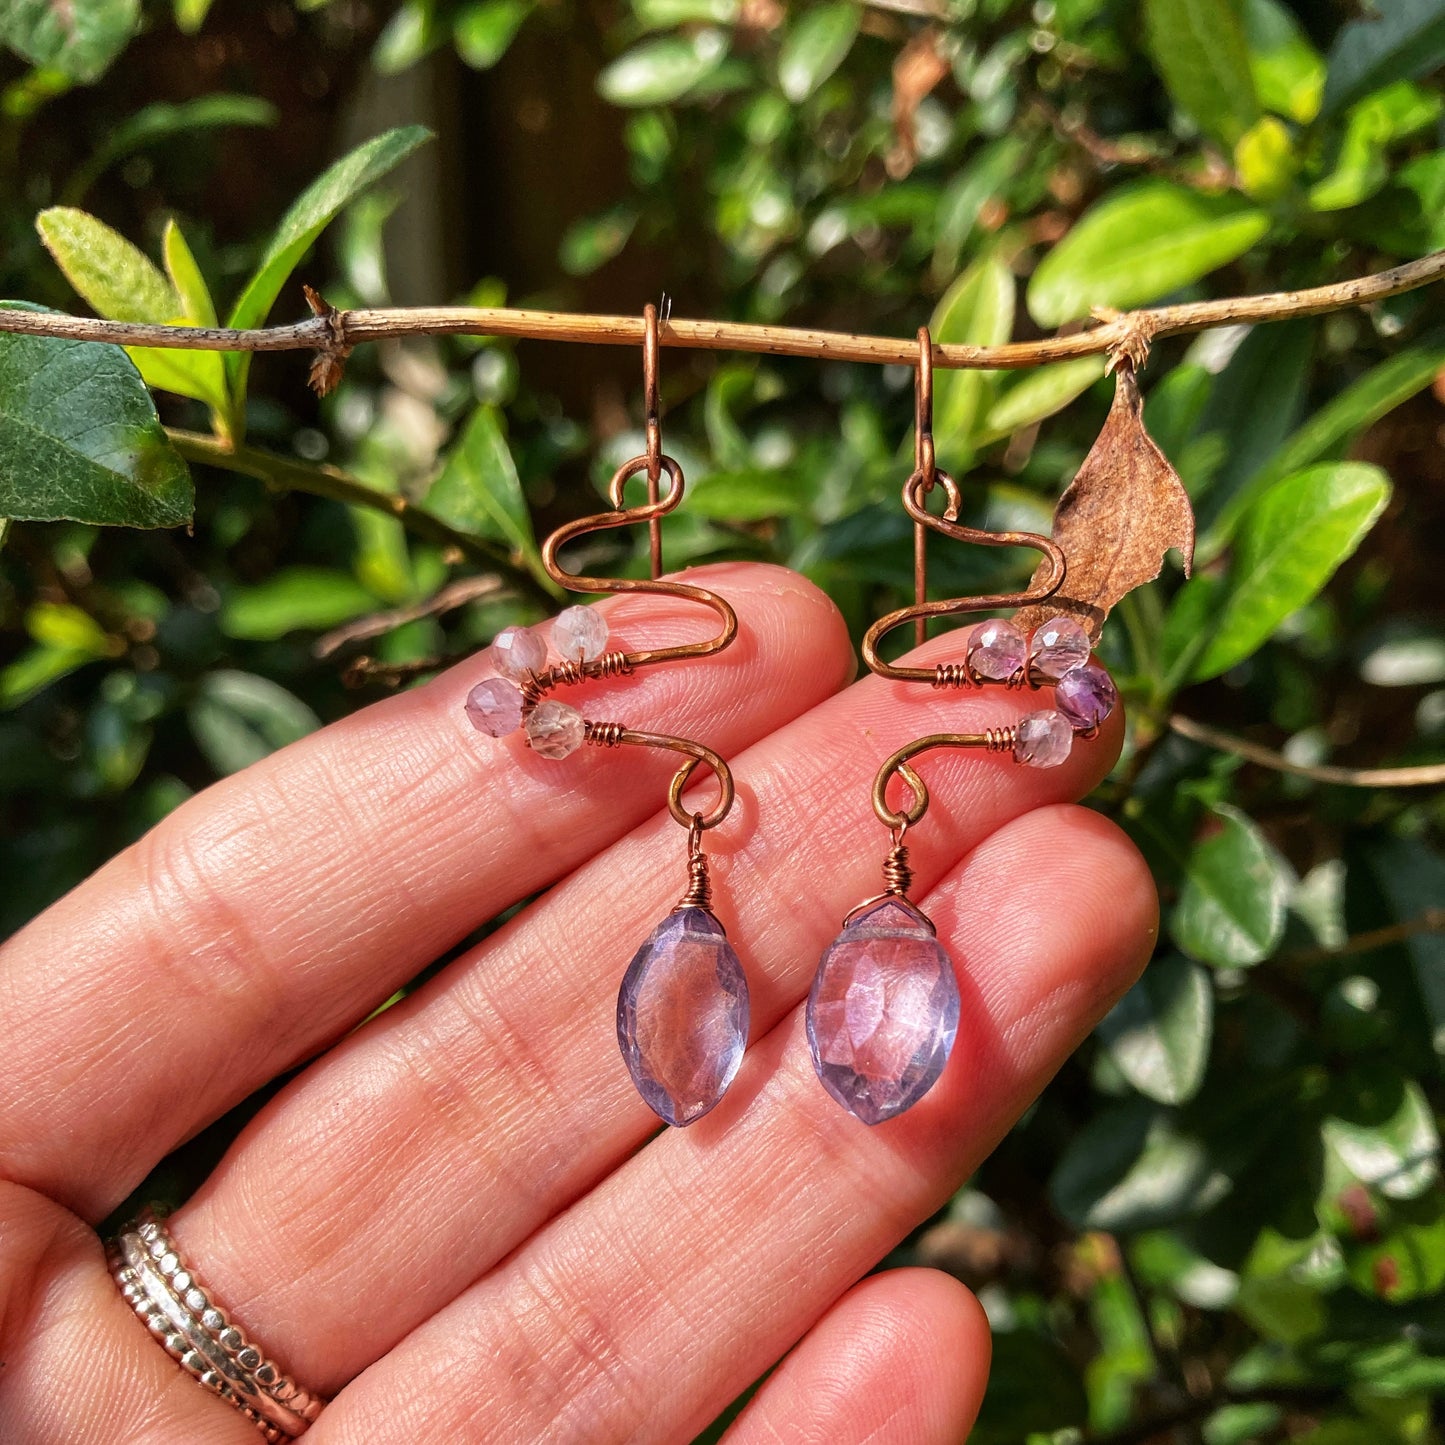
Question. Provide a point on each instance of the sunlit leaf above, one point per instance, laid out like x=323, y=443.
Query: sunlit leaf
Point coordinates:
x=1138, y=244
x=80, y=439
x=483, y=32
x=1289, y=73
x=977, y=310
x=1287, y=546
x=294, y=598
x=1231, y=908
x=1199, y=49
x=815, y=45
x=1039, y=394
x=661, y=70
x=1398, y=1155
x=1158, y=1034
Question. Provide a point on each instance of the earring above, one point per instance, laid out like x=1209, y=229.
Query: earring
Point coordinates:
x=682, y=1011
x=883, y=1009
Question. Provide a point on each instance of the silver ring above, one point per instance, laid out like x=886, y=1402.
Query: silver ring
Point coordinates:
x=200, y=1337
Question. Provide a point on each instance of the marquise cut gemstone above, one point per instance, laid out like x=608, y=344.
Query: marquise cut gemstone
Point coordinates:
x=682, y=1016
x=882, y=1013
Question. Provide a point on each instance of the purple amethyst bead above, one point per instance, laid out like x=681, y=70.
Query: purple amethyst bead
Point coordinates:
x=997, y=650
x=1086, y=696
x=1043, y=739
x=1057, y=647
x=882, y=1013
x=682, y=1016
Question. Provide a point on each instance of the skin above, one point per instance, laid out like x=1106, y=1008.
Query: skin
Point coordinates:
x=458, y=1219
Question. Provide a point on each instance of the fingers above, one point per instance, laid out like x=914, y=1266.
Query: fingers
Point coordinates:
x=638, y=1313
x=79, y=1367
x=276, y=909
x=901, y=1359
x=496, y=1093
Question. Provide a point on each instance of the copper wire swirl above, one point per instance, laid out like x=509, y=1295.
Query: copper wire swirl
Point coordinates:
x=925, y=477
x=614, y=664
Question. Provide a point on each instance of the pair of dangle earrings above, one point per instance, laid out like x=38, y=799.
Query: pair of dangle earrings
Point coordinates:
x=883, y=1010
x=682, y=1010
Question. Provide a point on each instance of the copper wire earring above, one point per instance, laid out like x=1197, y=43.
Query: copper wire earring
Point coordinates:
x=682, y=1011
x=884, y=1006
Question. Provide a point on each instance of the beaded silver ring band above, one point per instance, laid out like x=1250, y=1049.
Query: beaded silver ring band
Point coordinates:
x=200, y=1337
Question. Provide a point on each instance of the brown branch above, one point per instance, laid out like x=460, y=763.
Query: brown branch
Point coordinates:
x=344, y=329
x=1425, y=775
x=331, y=482
x=362, y=670
x=1432, y=920
x=454, y=594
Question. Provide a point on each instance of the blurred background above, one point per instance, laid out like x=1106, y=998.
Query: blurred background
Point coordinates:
x=1223, y=1222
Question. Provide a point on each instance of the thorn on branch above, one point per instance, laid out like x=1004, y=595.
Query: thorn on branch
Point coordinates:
x=328, y=366
x=1136, y=331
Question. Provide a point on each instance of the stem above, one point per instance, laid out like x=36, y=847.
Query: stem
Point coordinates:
x=335, y=332
x=1432, y=920
x=339, y=486
x=1426, y=775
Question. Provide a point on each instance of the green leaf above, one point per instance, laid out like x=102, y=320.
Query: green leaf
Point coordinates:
x=662, y=70
x=238, y=718
x=412, y=32
x=197, y=308
x=1198, y=48
x=1158, y=1034
x=1231, y=908
x=1398, y=1155
x=294, y=598
x=67, y=628
x=80, y=439
x=191, y=14
x=1401, y=40
x=1033, y=1387
x=815, y=45
x=35, y=669
x=977, y=309
x=1039, y=394
x=309, y=215
x=1129, y=1168
x=80, y=39
x=1264, y=157
x=122, y=283
x=1412, y=878
x=1289, y=73
x=745, y=496
x=483, y=32
x=1287, y=547
x=1360, y=167
x=1139, y=244
x=116, y=278
x=478, y=491
x=595, y=240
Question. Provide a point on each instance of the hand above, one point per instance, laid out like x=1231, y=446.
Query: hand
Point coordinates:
x=452, y=1219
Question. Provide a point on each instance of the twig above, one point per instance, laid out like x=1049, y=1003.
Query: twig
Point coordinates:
x=454, y=594
x=362, y=670
x=1432, y=920
x=344, y=329
x=1425, y=775
x=327, y=481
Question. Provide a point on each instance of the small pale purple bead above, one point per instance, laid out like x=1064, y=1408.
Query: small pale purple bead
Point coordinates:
x=997, y=650
x=555, y=729
x=1086, y=696
x=579, y=634
x=1058, y=646
x=495, y=707
x=1043, y=739
x=682, y=1016
x=882, y=1013
x=516, y=651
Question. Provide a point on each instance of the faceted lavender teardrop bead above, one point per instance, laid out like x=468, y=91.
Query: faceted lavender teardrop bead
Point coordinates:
x=494, y=707
x=1086, y=696
x=882, y=1013
x=997, y=650
x=1058, y=646
x=516, y=651
x=682, y=1016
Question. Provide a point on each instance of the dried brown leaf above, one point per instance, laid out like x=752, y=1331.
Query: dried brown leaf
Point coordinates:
x=1118, y=517
x=917, y=69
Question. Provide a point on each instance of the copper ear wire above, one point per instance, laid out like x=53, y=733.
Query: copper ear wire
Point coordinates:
x=652, y=464
x=926, y=475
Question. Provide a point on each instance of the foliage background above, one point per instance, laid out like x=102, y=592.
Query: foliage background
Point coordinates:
x=1224, y=1221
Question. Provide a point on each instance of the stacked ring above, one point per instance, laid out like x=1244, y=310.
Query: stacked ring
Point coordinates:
x=198, y=1334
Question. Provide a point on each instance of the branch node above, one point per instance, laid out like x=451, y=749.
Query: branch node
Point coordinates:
x=1135, y=332
x=329, y=364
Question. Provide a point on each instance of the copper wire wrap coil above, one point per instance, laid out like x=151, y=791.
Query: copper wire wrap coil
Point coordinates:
x=927, y=476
